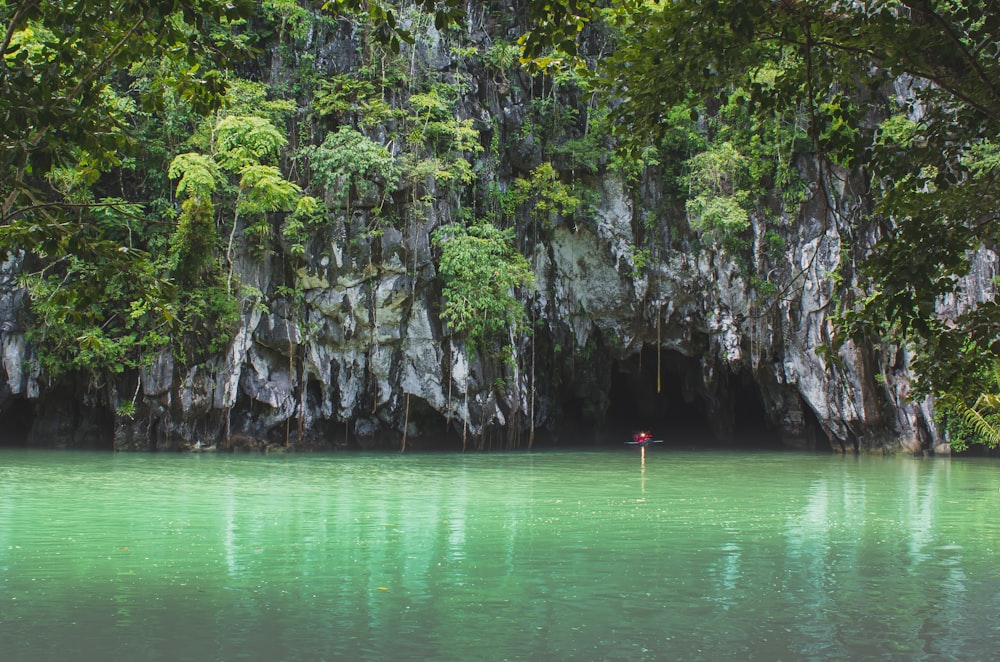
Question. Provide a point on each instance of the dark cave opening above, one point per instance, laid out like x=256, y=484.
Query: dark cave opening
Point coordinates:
x=16, y=421
x=428, y=429
x=636, y=404
x=751, y=427
x=667, y=402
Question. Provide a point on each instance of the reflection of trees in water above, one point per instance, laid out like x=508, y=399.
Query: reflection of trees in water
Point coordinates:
x=881, y=570
x=555, y=553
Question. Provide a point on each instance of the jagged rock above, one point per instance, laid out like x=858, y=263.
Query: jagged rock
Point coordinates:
x=278, y=333
x=158, y=377
x=14, y=354
x=365, y=333
x=197, y=393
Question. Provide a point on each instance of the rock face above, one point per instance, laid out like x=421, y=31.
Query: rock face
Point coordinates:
x=362, y=358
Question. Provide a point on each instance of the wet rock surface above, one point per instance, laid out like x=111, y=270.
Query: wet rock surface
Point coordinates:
x=361, y=357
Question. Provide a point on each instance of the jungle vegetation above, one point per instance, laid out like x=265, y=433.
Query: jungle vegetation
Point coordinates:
x=147, y=148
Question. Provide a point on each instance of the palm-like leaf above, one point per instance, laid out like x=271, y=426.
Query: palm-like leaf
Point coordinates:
x=986, y=427
x=984, y=416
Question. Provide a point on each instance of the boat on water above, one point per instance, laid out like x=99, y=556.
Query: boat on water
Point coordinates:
x=642, y=439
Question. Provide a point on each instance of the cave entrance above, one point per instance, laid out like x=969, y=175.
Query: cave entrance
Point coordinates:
x=679, y=413
x=751, y=427
x=428, y=429
x=16, y=421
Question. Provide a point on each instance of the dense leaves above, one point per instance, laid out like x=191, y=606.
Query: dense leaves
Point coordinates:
x=102, y=300
x=351, y=165
x=54, y=100
x=99, y=105
x=907, y=92
x=482, y=271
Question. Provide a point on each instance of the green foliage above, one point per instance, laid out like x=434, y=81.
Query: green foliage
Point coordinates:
x=774, y=243
x=558, y=23
x=55, y=59
x=438, y=143
x=481, y=271
x=546, y=192
x=252, y=98
x=126, y=409
x=897, y=134
x=242, y=141
x=265, y=190
x=341, y=94
x=242, y=145
x=977, y=423
x=717, y=208
x=720, y=218
x=208, y=317
x=984, y=419
x=292, y=17
x=765, y=289
x=983, y=159
x=198, y=175
x=501, y=56
x=436, y=127
x=236, y=177
x=193, y=243
x=639, y=257
x=79, y=328
x=309, y=213
x=352, y=166
x=546, y=197
x=719, y=170
x=87, y=93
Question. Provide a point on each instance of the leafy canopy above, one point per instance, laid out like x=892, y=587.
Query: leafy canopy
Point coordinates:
x=348, y=162
x=74, y=78
x=481, y=271
x=907, y=91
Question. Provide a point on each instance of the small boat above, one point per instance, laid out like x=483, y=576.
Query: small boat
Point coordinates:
x=643, y=439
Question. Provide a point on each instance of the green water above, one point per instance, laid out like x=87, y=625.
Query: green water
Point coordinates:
x=556, y=555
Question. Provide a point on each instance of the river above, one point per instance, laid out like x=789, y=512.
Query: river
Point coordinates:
x=584, y=555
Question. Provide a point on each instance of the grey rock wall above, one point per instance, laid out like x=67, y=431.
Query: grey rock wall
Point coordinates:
x=363, y=358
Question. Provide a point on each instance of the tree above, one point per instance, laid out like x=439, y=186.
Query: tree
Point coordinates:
x=905, y=91
x=481, y=272
x=57, y=107
x=349, y=164
x=245, y=146
x=66, y=108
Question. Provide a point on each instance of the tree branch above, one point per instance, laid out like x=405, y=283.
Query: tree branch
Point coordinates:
x=44, y=206
x=949, y=32
x=22, y=10
x=94, y=71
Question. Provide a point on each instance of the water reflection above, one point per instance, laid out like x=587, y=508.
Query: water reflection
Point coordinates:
x=586, y=555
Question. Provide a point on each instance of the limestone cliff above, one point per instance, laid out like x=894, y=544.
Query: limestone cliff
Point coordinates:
x=677, y=337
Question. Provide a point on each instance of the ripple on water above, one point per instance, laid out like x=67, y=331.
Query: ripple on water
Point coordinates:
x=530, y=555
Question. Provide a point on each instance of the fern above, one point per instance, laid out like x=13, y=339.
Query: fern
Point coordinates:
x=984, y=416
x=265, y=190
x=247, y=140
x=198, y=173
x=985, y=427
